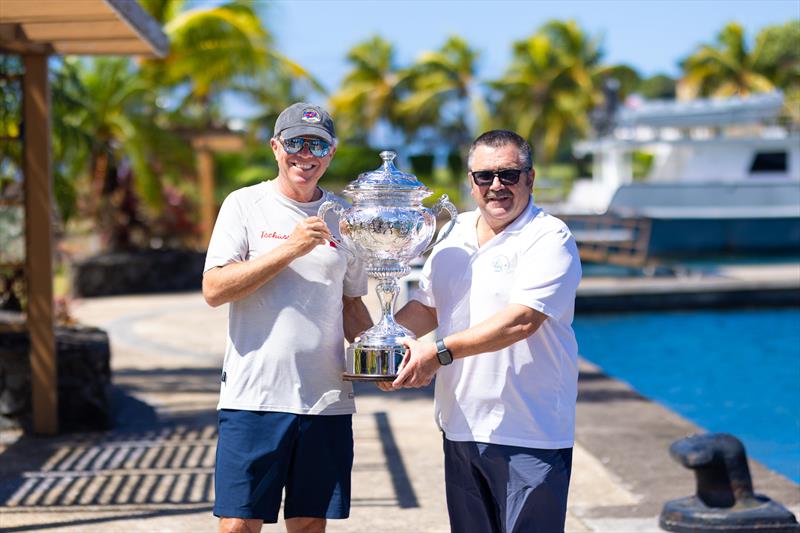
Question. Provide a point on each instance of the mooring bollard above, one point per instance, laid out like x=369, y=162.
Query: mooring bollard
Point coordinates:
x=725, y=500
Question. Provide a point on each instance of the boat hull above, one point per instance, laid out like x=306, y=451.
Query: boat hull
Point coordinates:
x=723, y=236
x=637, y=240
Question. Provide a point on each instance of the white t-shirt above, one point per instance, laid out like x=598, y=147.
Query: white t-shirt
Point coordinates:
x=523, y=395
x=285, y=349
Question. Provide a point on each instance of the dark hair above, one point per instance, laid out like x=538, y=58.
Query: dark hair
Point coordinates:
x=498, y=138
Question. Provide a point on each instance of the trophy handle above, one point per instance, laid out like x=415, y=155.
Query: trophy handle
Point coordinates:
x=444, y=203
x=330, y=205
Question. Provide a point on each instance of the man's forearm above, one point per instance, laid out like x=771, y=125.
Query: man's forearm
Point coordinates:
x=238, y=280
x=356, y=317
x=512, y=324
x=235, y=281
x=417, y=317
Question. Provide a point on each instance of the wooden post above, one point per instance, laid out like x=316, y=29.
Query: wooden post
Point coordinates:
x=205, y=171
x=205, y=144
x=38, y=243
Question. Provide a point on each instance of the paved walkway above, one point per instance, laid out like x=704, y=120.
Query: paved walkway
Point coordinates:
x=153, y=472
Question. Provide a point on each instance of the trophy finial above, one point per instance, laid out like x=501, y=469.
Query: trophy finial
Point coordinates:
x=388, y=157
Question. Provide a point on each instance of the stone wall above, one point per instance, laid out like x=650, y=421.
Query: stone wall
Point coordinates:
x=84, y=379
x=138, y=272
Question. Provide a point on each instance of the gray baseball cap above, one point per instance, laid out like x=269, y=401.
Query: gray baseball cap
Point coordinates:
x=305, y=119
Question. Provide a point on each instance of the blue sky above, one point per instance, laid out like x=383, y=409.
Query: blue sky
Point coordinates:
x=650, y=35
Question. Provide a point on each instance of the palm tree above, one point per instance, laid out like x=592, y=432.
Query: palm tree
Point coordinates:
x=626, y=78
x=778, y=55
x=106, y=120
x=726, y=68
x=657, y=87
x=128, y=113
x=71, y=143
x=217, y=50
x=370, y=92
x=550, y=86
x=212, y=49
x=779, y=60
x=441, y=93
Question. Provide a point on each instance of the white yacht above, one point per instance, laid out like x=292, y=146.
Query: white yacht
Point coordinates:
x=723, y=177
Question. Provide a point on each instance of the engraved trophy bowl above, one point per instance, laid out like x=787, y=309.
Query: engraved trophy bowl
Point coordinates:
x=387, y=227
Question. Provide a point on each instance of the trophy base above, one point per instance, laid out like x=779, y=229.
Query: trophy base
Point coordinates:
x=362, y=377
x=373, y=363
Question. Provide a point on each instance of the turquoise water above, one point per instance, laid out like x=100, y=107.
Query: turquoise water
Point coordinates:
x=732, y=371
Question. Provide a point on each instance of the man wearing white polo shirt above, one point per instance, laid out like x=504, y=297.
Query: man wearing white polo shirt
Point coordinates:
x=500, y=291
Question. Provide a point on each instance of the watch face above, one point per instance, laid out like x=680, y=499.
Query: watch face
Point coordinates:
x=444, y=355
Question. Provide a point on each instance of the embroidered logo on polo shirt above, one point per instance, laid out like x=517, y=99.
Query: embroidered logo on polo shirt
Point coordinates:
x=501, y=264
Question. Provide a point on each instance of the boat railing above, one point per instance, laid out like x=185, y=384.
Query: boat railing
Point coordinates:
x=611, y=239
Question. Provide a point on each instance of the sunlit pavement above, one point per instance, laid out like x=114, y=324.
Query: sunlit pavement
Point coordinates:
x=154, y=472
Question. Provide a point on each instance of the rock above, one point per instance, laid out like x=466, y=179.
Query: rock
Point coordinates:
x=84, y=379
x=138, y=272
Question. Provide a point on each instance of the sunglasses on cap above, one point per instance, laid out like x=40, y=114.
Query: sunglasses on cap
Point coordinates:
x=317, y=147
x=507, y=176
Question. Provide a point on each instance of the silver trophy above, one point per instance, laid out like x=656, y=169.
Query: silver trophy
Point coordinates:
x=387, y=227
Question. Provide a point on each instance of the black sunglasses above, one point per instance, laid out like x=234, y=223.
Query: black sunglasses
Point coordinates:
x=507, y=176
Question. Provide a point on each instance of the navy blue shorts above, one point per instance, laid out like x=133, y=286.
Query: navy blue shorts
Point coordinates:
x=261, y=453
x=506, y=489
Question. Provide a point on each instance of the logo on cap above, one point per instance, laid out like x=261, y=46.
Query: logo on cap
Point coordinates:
x=311, y=116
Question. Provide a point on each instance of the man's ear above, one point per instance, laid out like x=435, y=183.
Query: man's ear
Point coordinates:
x=531, y=179
x=273, y=142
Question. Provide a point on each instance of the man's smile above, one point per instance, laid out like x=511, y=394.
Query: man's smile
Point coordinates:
x=302, y=165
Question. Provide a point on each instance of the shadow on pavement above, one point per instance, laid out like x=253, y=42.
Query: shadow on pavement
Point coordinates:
x=144, y=467
x=169, y=380
x=596, y=387
x=157, y=461
x=593, y=385
x=403, y=489
x=100, y=520
x=129, y=412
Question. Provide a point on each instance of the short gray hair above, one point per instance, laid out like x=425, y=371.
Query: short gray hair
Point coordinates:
x=498, y=138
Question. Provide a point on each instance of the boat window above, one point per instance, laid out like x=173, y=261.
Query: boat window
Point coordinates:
x=768, y=162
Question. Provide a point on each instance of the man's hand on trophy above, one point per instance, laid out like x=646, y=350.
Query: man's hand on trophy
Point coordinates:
x=419, y=365
x=308, y=234
x=388, y=386
x=385, y=386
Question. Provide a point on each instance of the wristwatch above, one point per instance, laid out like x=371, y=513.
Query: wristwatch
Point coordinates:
x=443, y=354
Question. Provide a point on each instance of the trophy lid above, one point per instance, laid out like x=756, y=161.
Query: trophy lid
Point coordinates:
x=386, y=178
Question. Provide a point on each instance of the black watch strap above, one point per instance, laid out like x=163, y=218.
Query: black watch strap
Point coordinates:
x=443, y=354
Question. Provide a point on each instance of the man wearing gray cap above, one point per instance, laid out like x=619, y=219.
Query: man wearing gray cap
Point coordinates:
x=285, y=415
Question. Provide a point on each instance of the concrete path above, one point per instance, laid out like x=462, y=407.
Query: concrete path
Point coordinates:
x=153, y=472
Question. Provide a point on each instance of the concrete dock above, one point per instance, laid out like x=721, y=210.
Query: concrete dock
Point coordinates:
x=153, y=472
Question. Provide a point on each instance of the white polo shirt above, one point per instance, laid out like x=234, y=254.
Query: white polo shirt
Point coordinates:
x=523, y=395
x=285, y=349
